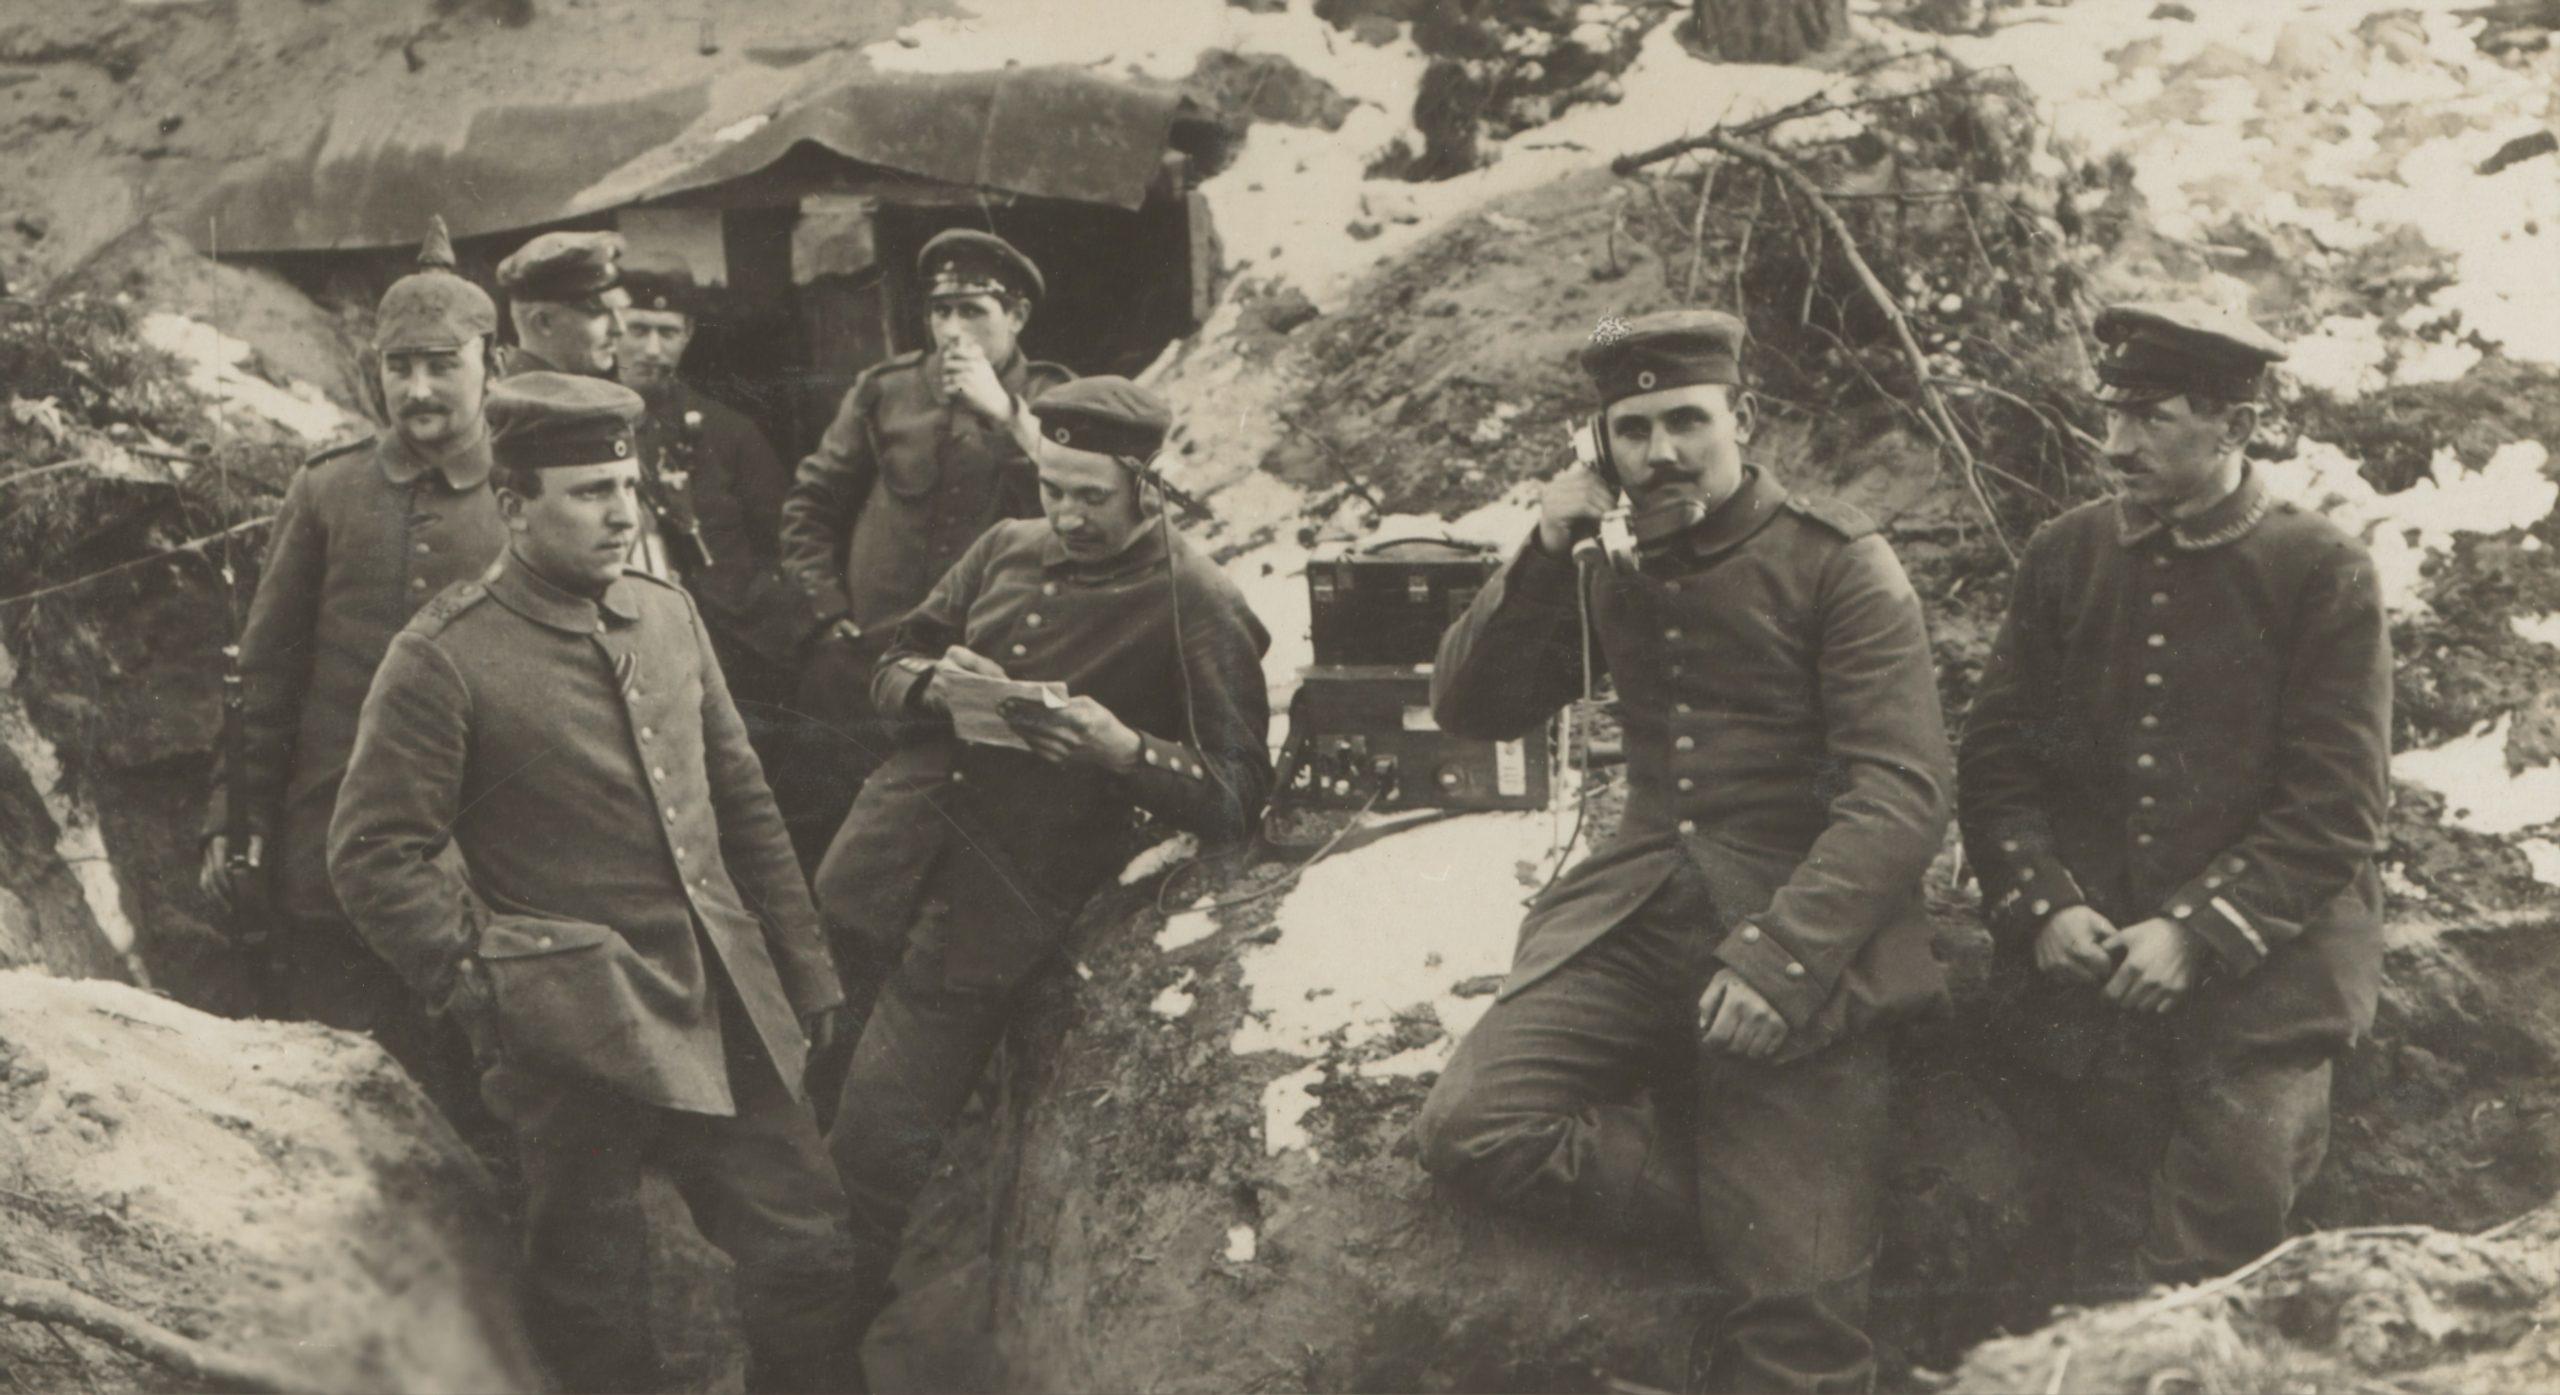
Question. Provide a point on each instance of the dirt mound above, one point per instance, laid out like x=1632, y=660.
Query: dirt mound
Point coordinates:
x=2385, y=1308
x=278, y=1192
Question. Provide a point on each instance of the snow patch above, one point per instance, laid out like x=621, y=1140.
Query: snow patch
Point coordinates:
x=1392, y=927
x=1185, y=928
x=1175, y=1001
x=1286, y=1103
x=2540, y=629
x=217, y=366
x=2480, y=792
x=1242, y=1244
x=2402, y=530
x=77, y=839
x=1181, y=847
x=1425, y=1059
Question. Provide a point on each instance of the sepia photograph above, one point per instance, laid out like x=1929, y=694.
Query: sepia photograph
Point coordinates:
x=1084, y=696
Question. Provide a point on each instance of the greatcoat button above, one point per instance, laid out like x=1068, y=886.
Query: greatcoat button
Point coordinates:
x=2026, y=874
x=2182, y=912
x=1672, y=633
x=1688, y=825
x=1682, y=708
x=2142, y=840
x=2157, y=640
x=1687, y=784
x=2146, y=760
x=417, y=583
x=1751, y=934
x=1795, y=971
x=423, y=549
x=2043, y=907
x=1686, y=743
x=2159, y=598
x=1033, y=619
x=2150, y=721
x=1019, y=651
x=2152, y=680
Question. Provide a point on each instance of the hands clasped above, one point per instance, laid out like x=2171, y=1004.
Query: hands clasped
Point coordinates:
x=2146, y=967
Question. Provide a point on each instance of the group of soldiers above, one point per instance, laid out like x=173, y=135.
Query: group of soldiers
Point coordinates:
x=608, y=776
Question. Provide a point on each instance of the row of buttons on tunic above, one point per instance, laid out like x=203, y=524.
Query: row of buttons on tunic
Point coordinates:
x=2150, y=721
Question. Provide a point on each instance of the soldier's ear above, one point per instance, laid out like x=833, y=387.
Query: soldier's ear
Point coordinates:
x=1746, y=415
x=2239, y=424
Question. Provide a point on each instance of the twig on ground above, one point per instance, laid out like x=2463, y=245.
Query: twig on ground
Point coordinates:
x=47, y=1302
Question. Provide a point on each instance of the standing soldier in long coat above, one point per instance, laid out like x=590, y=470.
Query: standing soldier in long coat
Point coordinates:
x=963, y=864
x=2174, y=782
x=367, y=534
x=1687, y=1044
x=926, y=452
x=554, y=828
x=720, y=491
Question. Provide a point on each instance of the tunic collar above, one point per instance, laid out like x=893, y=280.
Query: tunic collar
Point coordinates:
x=518, y=588
x=1145, y=549
x=2229, y=520
x=465, y=467
x=1732, y=523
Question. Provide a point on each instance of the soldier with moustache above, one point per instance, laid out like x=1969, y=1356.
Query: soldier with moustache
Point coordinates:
x=553, y=827
x=2175, y=779
x=709, y=456
x=566, y=300
x=926, y=452
x=962, y=866
x=1687, y=1047
x=368, y=532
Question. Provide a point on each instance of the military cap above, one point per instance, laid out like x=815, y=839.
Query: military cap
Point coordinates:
x=1105, y=415
x=433, y=308
x=1673, y=348
x=563, y=267
x=2151, y=352
x=663, y=288
x=964, y=261
x=540, y=421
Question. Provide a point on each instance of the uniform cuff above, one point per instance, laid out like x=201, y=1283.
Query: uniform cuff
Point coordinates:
x=1542, y=575
x=900, y=684
x=2204, y=908
x=2034, y=885
x=1764, y=962
x=1157, y=756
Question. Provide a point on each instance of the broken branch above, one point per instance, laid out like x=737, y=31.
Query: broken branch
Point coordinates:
x=45, y=1301
x=1935, y=413
x=191, y=545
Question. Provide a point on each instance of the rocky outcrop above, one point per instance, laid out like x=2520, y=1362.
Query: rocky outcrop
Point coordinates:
x=279, y=1194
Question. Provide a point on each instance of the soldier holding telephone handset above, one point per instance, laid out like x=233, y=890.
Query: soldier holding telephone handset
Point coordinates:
x=1686, y=1044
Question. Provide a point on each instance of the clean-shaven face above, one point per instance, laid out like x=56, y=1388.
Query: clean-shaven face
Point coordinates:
x=653, y=343
x=1090, y=500
x=992, y=323
x=577, y=532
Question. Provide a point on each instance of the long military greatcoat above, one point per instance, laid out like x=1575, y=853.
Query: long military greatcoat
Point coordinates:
x=1010, y=843
x=367, y=534
x=2193, y=720
x=584, y=759
x=1783, y=736
x=903, y=481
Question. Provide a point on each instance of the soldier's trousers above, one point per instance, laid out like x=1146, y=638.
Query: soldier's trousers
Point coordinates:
x=1588, y=1099
x=2184, y=1160
x=617, y=1192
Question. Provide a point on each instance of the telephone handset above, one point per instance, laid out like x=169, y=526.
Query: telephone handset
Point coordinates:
x=1650, y=525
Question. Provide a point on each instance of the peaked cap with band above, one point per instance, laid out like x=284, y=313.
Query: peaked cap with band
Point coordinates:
x=433, y=307
x=563, y=267
x=1669, y=349
x=663, y=288
x=965, y=262
x=543, y=421
x=1106, y=415
x=2152, y=352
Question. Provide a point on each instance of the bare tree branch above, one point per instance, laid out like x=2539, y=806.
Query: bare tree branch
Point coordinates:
x=45, y=1301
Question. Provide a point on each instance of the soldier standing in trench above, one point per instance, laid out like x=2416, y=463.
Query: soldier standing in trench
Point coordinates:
x=1687, y=1045
x=927, y=450
x=710, y=455
x=367, y=534
x=962, y=865
x=554, y=828
x=2175, y=778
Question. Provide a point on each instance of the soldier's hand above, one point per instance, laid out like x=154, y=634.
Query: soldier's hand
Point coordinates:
x=1576, y=496
x=217, y=880
x=959, y=658
x=2160, y=960
x=1083, y=732
x=968, y=376
x=2073, y=945
x=1737, y=1020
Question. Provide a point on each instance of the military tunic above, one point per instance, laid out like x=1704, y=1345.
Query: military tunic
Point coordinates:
x=1788, y=776
x=2189, y=720
x=560, y=788
x=366, y=535
x=736, y=484
x=962, y=866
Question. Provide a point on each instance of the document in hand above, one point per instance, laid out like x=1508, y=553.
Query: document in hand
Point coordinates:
x=977, y=705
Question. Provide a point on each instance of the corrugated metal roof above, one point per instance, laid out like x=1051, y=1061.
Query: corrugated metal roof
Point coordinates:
x=374, y=172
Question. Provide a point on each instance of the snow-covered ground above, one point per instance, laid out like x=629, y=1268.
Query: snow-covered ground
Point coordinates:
x=2338, y=121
